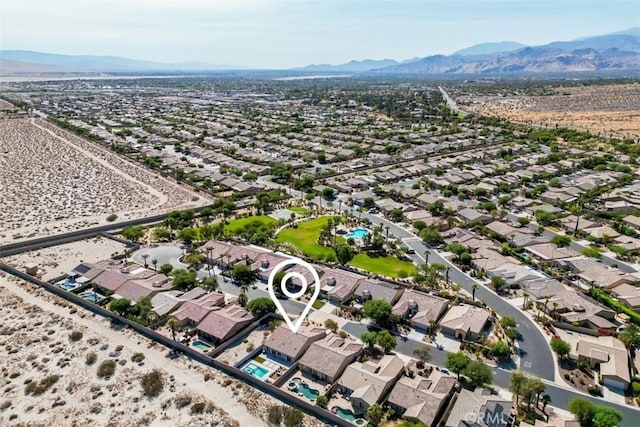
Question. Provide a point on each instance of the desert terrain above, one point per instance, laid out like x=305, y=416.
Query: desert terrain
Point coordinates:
x=56, y=182
x=609, y=110
x=60, y=349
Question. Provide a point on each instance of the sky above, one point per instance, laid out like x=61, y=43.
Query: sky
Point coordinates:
x=291, y=33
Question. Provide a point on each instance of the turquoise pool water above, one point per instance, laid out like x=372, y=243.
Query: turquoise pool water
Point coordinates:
x=357, y=233
x=94, y=298
x=254, y=370
x=307, y=392
x=347, y=414
x=66, y=285
x=201, y=346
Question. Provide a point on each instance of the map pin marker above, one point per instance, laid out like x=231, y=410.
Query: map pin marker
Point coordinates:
x=294, y=295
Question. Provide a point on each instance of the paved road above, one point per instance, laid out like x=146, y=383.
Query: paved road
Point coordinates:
x=502, y=375
x=536, y=358
x=606, y=259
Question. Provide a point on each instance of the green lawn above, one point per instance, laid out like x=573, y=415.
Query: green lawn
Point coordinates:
x=300, y=210
x=386, y=266
x=305, y=238
x=238, y=224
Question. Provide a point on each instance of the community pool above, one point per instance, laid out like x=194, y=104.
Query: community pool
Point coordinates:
x=203, y=347
x=347, y=414
x=357, y=233
x=255, y=370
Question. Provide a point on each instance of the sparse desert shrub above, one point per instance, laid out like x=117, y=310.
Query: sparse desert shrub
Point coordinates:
x=75, y=336
x=182, y=401
x=274, y=415
x=198, y=408
x=90, y=359
x=106, y=369
x=38, y=388
x=137, y=358
x=112, y=217
x=152, y=383
x=5, y=405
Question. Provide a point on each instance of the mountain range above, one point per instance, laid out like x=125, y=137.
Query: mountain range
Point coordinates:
x=615, y=52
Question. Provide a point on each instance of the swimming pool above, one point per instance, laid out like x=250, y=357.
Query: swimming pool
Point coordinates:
x=203, y=347
x=307, y=392
x=255, y=370
x=91, y=297
x=347, y=414
x=357, y=233
x=67, y=285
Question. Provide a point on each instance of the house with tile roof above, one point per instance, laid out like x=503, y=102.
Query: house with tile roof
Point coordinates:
x=284, y=345
x=223, y=323
x=326, y=359
x=367, y=383
x=422, y=399
x=465, y=322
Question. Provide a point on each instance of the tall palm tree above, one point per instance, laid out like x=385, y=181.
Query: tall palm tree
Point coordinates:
x=474, y=286
x=546, y=399
x=145, y=257
x=155, y=264
x=172, y=324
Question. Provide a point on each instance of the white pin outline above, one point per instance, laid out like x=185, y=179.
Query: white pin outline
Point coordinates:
x=316, y=291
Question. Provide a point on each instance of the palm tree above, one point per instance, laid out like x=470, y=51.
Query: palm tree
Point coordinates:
x=145, y=257
x=447, y=274
x=474, y=286
x=426, y=256
x=546, y=399
x=127, y=254
x=172, y=324
x=155, y=264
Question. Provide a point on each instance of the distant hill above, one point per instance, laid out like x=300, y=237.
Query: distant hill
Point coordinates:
x=351, y=66
x=490, y=48
x=24, y=61
x=614, y=52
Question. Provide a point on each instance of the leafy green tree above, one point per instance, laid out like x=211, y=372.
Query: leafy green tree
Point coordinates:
x=120, y=306
x=133, y=233
x=631, y=335
x=375, y=414
x=523, y=220
x=187, y=235
x=479, y=373
x=331, y=324
x=162, y=234
x=261, y=306
x=500, y=349
x=387, y=341
x=457, y=362
x=328, y=192
x=166, y=268
x=431, y=236
x=561, y=241
x=606, y=416
x=498, y=282
x=560, y=347
x=378, y=310
x=344, y=253
x=322, y=401
x=516, y=384
x=370, y=338
x=184, y=279
x=422, y=353
x=210, y=283
x=583, y=409
x=242, y=274
x=508, y=322
x=243, y=299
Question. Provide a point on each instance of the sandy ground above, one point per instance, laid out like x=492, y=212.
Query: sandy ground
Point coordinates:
x=610, y=110
x=34, y=344
x=56, y=182
x=58, y=260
